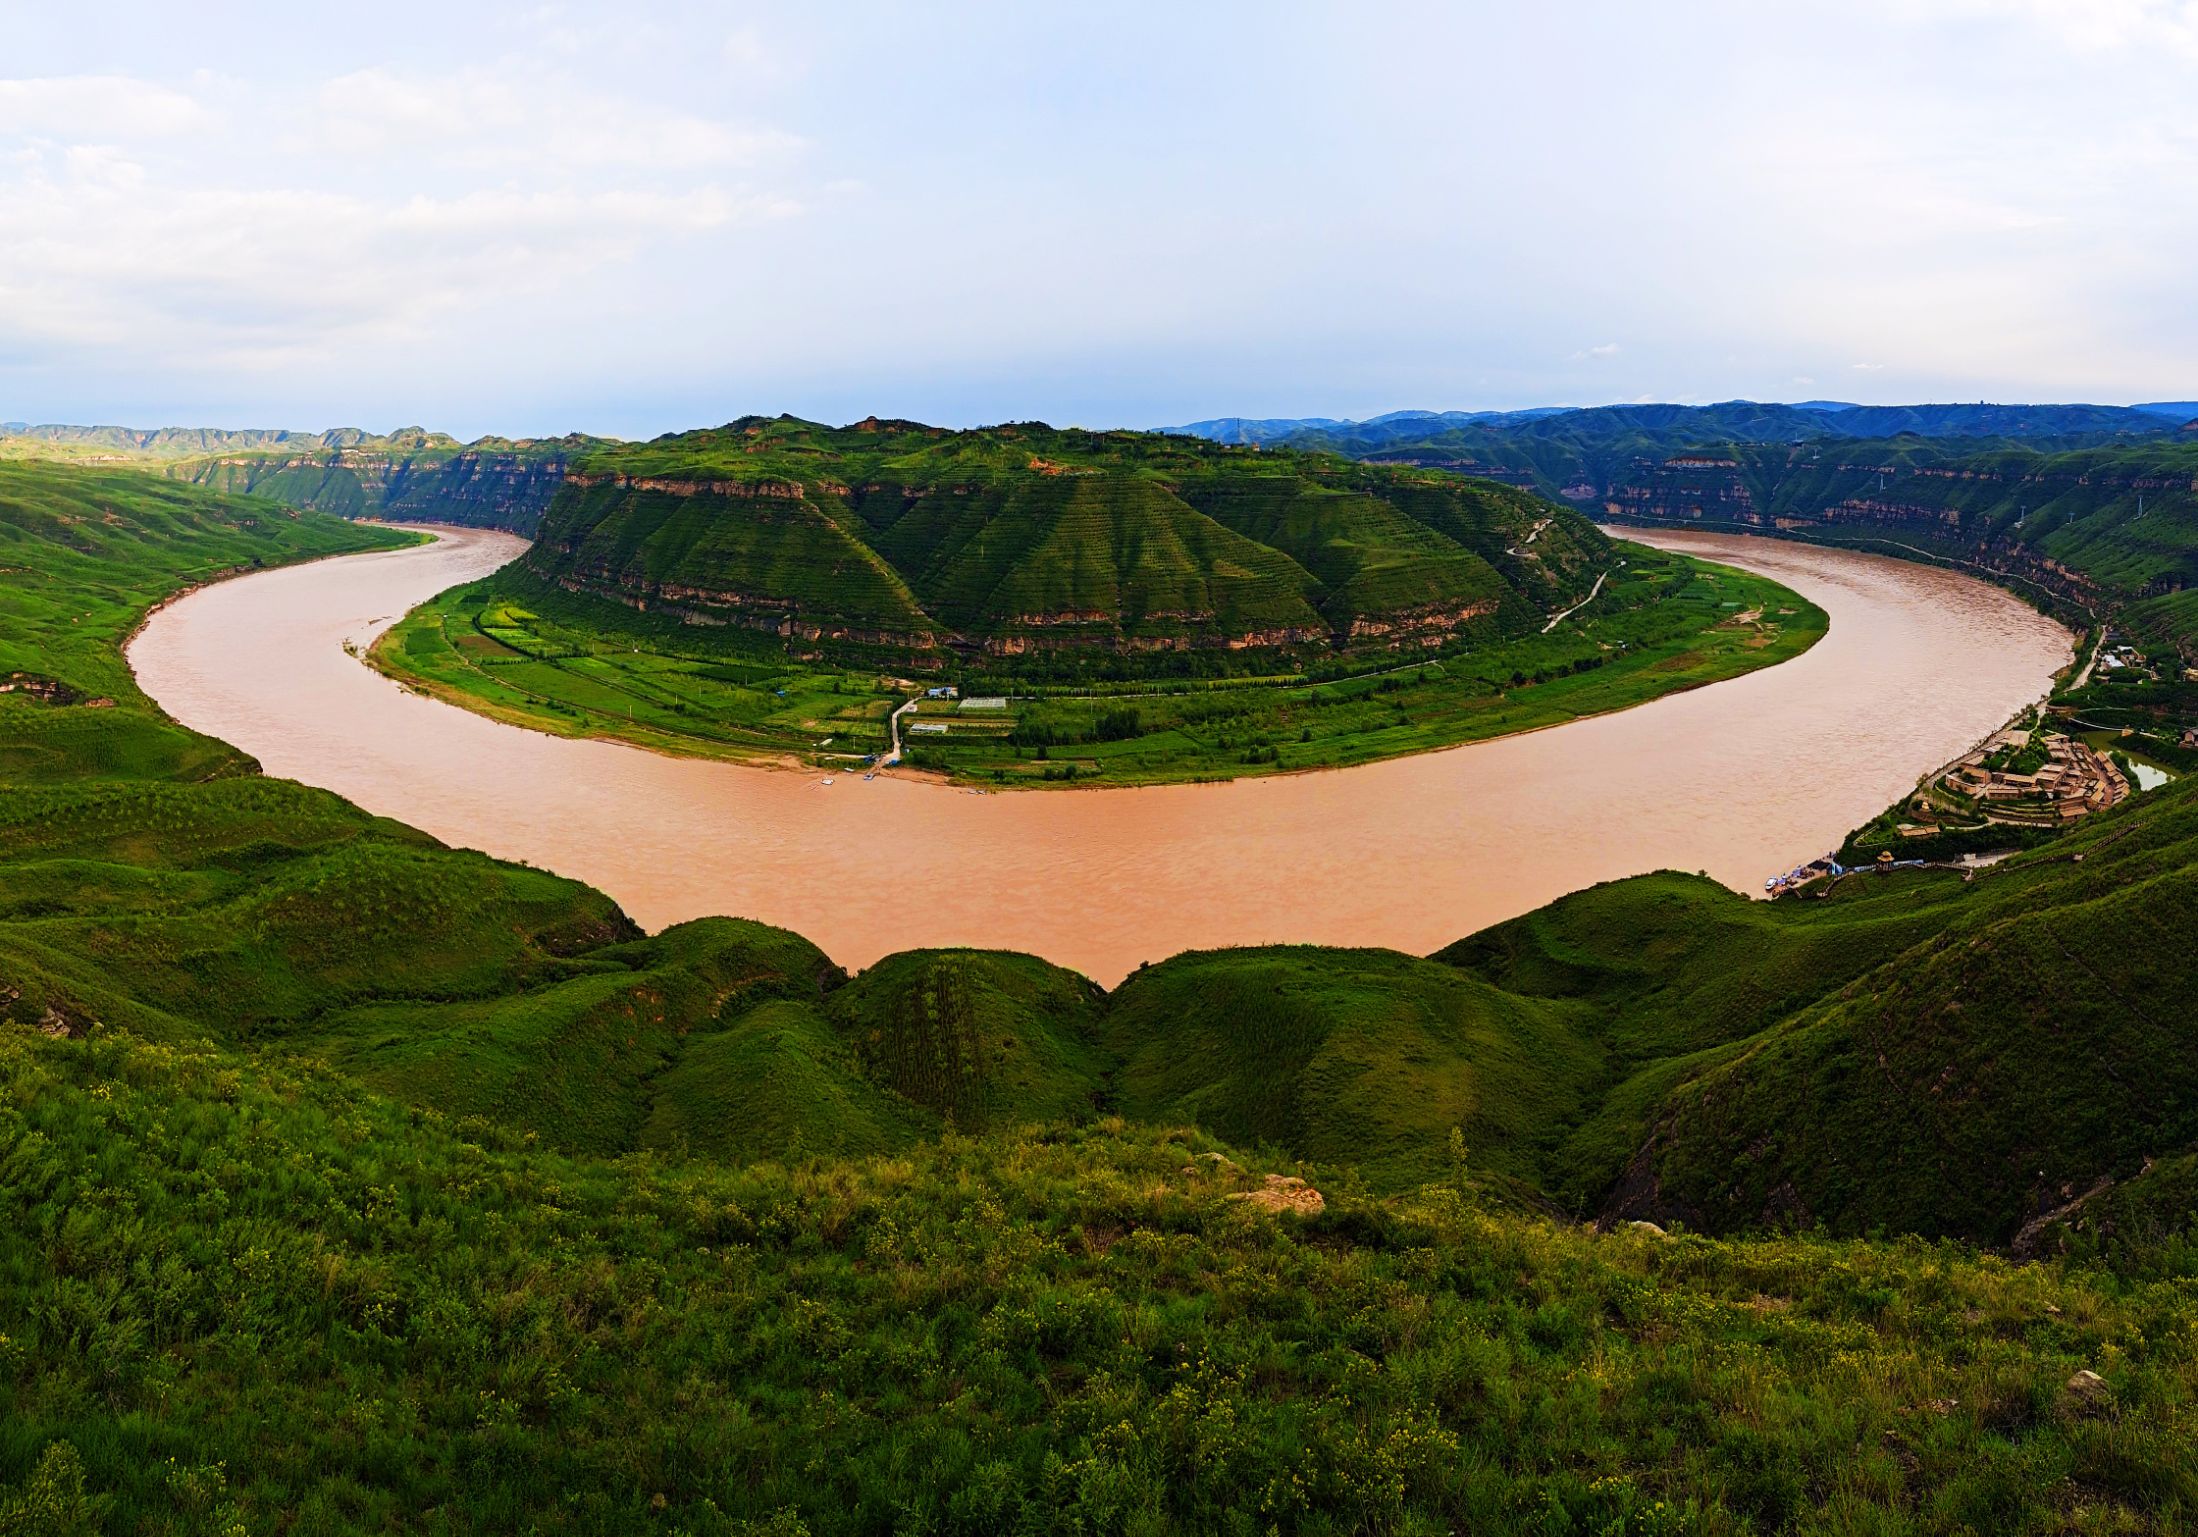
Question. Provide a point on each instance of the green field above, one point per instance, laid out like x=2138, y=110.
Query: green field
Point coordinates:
x=516, y=648
x=351, y=1183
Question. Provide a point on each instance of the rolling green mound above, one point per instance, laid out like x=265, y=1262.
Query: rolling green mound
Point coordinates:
x=978, y=1038
x=1023, y=539
x=1364, y=1057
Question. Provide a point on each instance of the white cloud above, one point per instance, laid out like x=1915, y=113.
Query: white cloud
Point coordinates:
x=1606, y=350
x=2094, y=26
x=247, y=252
x=514, y=117
x=105, y=108
x=89, y=261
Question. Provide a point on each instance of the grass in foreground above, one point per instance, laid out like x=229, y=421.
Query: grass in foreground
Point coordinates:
x=258, y=1295
x=522, y=651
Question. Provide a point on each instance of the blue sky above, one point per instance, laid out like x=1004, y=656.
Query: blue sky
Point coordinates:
x=628, y=219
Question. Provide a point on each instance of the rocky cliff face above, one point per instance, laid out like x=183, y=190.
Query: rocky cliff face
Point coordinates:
x=2101, y=529
x=479, y=488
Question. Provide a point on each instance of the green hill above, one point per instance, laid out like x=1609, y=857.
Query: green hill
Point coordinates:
x=1140, y=609
x=1025, y=538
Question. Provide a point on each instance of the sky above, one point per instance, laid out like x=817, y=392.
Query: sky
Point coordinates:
x=636, y=218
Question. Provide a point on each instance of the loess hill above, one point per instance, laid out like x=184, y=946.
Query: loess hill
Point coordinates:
x=1018, y=539
x=2093, y=508
x=350, y=1182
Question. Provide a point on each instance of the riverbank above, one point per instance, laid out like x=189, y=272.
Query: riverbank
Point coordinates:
x=523, y=652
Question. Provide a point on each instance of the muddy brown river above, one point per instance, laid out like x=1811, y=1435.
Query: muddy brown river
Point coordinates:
x=1742, y=779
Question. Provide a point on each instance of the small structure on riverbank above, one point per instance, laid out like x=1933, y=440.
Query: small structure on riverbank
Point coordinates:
x=2026, y=778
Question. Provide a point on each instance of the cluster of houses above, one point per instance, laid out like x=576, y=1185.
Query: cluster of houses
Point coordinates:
x=2074, y=780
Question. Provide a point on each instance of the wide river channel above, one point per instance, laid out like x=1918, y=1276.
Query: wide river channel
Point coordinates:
x=1741, y=779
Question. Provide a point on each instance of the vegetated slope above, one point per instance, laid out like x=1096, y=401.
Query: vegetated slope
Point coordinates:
x=248, y=1293
x=2113, y=529
x=410, y=475
x=1024, y=539
x=82, y=553
x=978, y=1038
x=2096, y=507
x=406, y=475
x=309, y=1216
x=1364, y=1057
x=1916, y=1054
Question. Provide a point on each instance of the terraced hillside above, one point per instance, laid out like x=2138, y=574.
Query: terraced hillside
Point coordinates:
x=346, y=1177
x=1024, y=539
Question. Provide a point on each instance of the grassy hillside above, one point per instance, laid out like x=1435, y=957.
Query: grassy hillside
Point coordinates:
x=1023, y=540
x=352, y=1183
x=83, y=553
x=256, y=1295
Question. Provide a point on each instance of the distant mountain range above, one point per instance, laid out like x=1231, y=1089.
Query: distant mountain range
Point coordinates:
x=1260, y=430
x=185, y=442
x=1745, y=421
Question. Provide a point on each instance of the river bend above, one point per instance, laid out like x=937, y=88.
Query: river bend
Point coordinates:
x=1740, y=779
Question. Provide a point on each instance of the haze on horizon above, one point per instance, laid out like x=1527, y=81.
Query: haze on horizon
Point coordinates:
x=628, y=219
